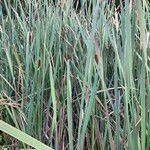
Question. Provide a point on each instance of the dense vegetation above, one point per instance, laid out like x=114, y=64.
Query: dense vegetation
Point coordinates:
x=76, y=77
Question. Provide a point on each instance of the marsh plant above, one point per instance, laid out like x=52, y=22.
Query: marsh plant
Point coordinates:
x=75, y=78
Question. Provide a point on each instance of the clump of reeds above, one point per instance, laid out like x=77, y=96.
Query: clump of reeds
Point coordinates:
x=76, y=79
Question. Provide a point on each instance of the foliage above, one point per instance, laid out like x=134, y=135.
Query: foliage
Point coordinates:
x=76, y=79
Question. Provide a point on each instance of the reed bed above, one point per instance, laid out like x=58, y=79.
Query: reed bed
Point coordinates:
x=75, y=79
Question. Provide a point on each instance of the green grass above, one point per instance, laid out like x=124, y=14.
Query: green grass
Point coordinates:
x=21, y=136
x=75, y=79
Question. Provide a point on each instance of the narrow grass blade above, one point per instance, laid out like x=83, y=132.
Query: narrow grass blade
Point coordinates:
x=69, y=108
x=23, y=137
